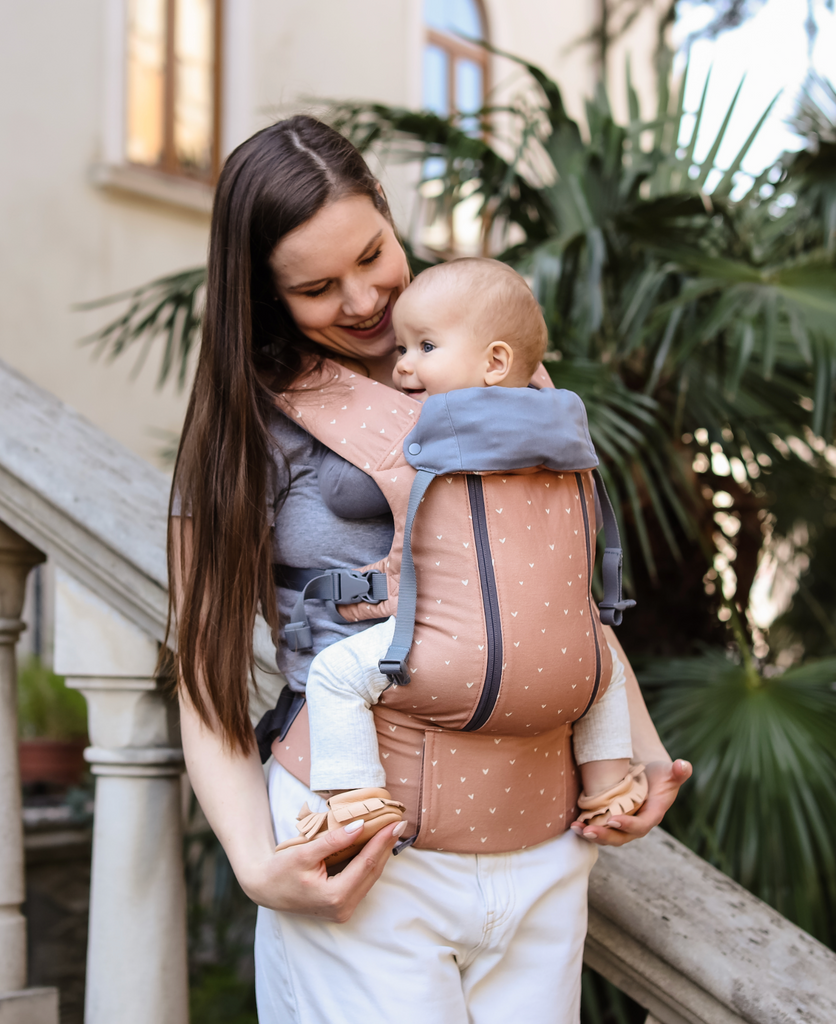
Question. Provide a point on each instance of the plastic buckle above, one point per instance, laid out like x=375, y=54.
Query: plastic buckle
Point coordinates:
x=350, y=587
x=619, y=606
x=298, y=636
x=369, y=598
x=396, y=670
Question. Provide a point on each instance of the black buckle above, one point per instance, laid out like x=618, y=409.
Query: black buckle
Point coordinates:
x=396, y=670
x=352, y=587
x=619, y=606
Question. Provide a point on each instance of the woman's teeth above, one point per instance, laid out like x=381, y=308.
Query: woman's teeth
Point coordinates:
x=367, y=325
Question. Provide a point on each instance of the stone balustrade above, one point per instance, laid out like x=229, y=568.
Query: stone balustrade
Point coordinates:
x=682, y=939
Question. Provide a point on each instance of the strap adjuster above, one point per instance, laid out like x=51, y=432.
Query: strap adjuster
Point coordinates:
x=396, y=669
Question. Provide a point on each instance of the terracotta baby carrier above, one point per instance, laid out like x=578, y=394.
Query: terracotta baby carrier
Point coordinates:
x=498, y=645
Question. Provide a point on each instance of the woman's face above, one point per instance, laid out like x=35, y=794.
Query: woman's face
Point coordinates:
x=339, y=274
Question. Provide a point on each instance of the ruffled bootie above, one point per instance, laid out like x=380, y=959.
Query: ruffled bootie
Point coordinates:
x=374, y=806
x=624, y=798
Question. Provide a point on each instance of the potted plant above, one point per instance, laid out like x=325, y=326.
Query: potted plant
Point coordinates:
x=52, y=729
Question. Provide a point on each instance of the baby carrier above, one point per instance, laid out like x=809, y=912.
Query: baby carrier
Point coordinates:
x=498, y=645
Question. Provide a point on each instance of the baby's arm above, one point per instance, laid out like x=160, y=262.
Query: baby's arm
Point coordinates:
x=343, y=684
x=602, y=738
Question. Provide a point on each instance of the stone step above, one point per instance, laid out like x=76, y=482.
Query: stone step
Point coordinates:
x=29, y=1006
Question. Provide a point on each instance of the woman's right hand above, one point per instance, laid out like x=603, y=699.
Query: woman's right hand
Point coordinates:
x=296, y=881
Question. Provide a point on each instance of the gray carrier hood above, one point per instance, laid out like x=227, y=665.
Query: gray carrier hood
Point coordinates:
x=479, y=430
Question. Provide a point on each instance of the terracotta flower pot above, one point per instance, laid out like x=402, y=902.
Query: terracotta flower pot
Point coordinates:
x=60, y=762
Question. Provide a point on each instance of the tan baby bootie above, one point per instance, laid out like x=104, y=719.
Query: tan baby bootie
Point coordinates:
x=374, y=806
x=624, y=798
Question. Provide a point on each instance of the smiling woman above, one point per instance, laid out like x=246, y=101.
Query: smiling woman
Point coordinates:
x=361, y=269
x=305, y=267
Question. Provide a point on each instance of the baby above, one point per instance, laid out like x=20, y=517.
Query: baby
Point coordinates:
x=464, y=324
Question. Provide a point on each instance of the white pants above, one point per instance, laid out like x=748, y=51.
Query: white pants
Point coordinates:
x=442, y=938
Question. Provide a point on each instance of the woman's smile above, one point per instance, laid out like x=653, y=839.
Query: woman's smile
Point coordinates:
x=377, y=323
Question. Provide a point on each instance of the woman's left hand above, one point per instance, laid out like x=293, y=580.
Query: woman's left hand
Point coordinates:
x=663, y=779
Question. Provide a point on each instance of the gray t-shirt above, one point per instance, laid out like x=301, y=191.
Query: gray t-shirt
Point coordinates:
x=307, y=534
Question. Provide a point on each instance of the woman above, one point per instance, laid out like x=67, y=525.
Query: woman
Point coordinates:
x=304, y=261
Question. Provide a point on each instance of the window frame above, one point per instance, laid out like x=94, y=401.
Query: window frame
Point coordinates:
x=459, y=49
x=168, y=164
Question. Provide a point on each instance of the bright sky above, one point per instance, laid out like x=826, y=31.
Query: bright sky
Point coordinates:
x=771, y=49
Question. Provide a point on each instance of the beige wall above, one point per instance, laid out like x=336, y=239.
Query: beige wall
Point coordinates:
x=65, y=240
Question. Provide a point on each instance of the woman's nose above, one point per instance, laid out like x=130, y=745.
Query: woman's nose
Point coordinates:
x=359, y=299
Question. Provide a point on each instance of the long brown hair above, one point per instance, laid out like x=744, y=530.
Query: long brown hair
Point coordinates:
x=250, y=349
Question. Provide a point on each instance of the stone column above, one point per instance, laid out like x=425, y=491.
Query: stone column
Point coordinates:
x=17, y=557
x=136, y=955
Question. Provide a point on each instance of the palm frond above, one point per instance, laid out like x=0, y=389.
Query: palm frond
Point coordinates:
x=170, y=307
x=763, y=802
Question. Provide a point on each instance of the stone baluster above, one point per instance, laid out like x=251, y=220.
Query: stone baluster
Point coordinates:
x=136, y=955
x=17, y=1003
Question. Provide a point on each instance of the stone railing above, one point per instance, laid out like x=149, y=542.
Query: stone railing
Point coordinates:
x=682, y=939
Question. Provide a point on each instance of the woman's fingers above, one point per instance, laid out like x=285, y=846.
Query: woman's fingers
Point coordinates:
x=663, y=781
x=308, y=889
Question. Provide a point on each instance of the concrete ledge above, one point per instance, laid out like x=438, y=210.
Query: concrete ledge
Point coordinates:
x=694, y=947
x=195, y=196
x=29, y=1006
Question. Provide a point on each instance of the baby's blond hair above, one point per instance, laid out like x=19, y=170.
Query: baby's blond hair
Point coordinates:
x=500, y=305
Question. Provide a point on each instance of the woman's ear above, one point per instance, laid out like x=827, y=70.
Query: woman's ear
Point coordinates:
x=500, y=359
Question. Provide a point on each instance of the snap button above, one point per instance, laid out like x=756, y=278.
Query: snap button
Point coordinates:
x=415, y=448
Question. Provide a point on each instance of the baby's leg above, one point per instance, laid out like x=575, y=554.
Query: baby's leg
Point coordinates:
x=603, y=750
x=343, y=684
x=599, y=776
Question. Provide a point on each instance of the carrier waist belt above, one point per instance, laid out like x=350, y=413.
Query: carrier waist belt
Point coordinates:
x=464, y=792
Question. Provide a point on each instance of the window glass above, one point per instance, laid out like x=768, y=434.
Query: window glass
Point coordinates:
x=462, y=16
x=194, y=84
x=146, y=80
x=172, y=88
x=469, y=93
x=436, y=80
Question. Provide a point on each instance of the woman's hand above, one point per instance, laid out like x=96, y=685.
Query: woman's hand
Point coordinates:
x=663, y=779
x=296, y=881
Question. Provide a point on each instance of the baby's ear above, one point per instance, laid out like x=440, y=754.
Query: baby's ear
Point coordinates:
x=500, y=359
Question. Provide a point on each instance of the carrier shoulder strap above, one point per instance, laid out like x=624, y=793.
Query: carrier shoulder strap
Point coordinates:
x=613, y=604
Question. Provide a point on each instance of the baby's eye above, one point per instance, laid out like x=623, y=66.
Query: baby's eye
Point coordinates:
x=427, y=346
x=401, y=350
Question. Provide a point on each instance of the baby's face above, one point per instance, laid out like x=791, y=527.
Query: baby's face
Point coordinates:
x=438, y=350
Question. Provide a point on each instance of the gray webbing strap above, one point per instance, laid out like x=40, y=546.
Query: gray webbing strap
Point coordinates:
x=334, y=586
x=613, y=604
x=394, y=664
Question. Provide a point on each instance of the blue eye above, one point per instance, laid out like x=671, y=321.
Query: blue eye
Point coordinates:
x=427, y=346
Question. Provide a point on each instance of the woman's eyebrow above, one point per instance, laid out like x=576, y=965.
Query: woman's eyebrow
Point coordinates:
x=321, y=280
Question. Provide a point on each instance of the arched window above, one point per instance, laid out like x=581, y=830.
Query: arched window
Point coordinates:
x=455, y=70
x=455, y=83
x=173, y=73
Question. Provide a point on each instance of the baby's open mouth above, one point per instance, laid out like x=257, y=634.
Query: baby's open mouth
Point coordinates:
x=367, y=325
x=414, y=392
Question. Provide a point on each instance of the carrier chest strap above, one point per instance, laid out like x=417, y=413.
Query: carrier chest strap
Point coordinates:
x=333, y=586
